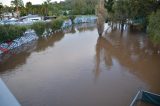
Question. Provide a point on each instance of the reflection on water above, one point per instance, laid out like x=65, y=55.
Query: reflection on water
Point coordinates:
x=16, y=57
x=19, y=55
x=102, y=54
x=58, y=71
x=43, y=44
x=132, y=50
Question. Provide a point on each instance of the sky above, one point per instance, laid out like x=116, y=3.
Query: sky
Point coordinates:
x=8, y=2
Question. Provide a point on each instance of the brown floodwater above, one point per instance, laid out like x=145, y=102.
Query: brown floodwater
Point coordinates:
x=78, y=68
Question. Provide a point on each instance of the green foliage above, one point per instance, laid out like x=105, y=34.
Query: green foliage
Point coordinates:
x=39, y=28
x=154, y=27
x=11, y=32
x=72, y=17
x=45, y=9
x=57, y=23
x=141, y=8
x=121, y=10
x=81, y=7
x=71, y=7
x=1, y=8
x=3, y=33
x=28, y=7
x=77, y=7
x=7, y=9
x=23, y=11
x=17, y=3
x=109, y=5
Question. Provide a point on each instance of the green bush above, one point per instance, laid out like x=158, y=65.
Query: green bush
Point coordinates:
x=154, y=27
x=72, y=17
x=39, y=28
x=3, y=33
x=11, y=32
x=57, y=23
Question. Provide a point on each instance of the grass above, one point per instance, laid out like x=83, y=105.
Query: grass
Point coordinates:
x=11, y=32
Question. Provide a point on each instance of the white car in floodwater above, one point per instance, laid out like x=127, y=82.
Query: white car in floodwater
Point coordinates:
x=11, y=21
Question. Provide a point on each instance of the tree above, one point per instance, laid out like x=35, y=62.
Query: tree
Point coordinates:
x=154, y=26
x=1, y=8
x=17, y=4
x=46, y=5
x=29, y=7
x=141, y=8
x=90, y=8
x=121, y=10
x=23, y=11
x=100, y=13
x=81, y=7
x=7, y=8
x=109, y=5
x=78, y=6
x=118, y=11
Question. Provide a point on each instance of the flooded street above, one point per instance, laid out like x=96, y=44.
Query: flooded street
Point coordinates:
x=79, y=68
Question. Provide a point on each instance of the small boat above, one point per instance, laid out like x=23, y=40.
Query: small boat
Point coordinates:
x=146, y=97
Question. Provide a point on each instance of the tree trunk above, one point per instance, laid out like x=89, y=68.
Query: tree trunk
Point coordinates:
x=122, y=25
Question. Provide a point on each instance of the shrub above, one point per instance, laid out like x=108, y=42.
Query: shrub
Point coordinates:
x=3, y=33
x=39, y=28
x=72, y=17
x=11, y=32
x=154, y=27
x=57, y=23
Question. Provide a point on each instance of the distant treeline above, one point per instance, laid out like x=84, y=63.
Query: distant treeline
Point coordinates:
x=48, y=8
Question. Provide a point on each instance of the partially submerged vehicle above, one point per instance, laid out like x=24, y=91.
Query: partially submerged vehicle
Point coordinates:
x=146, y=97
x=11, y=21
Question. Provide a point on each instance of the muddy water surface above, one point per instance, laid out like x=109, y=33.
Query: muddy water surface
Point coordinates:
x=79, y=68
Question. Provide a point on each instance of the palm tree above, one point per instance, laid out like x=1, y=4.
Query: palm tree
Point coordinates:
x=17, y=4
x=46, y=6
x=29, y=7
